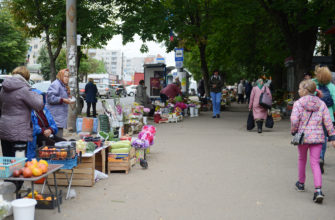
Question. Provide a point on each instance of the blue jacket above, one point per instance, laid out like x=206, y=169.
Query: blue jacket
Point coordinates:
x=91, y=92
x=57, y=108
x=31, y=150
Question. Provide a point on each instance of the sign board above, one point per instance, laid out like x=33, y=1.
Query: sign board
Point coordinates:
x=160, y=60
x=78, y=40
x=179, y=54
x=179, y=64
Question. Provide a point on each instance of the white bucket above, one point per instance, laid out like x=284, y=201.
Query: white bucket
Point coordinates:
x=145, y=122
x=24, y=209
x=192, y=111
x=196, y=112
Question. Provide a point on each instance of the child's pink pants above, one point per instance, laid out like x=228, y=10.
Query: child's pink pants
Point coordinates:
x=315, y=150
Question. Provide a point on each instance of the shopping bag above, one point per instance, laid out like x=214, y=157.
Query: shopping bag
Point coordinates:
x=269, y=122
x=250, y=121
x=265, y=100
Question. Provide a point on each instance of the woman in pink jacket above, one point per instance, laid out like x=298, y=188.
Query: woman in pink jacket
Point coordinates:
x=260, y=113
x=309, y=115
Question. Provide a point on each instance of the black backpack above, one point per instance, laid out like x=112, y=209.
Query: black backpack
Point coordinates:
x=326, y=98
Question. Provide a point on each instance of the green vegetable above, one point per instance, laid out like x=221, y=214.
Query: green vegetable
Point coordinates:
x=120, y=150
x=103, y=134
x=90, y=147
x=121, y=144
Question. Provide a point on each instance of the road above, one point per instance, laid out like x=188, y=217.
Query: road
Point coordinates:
x=208, y=169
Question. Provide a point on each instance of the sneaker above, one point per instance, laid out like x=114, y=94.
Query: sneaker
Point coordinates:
x=214, y=116
x=318, y=197
x=322, y=163
x=300, y=186
x=218, y=116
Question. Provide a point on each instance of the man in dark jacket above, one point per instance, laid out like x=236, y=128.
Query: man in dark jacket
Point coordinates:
x=216, y=84
x=91, y=97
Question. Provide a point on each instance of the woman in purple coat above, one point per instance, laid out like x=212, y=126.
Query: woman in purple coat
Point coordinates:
x=260, y=113
x=58, y=99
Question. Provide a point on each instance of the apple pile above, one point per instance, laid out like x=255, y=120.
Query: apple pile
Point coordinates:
x=32, y=168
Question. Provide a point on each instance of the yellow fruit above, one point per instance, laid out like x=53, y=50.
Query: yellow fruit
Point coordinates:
x=43, y=162
x=30, y=194
x=36, y=171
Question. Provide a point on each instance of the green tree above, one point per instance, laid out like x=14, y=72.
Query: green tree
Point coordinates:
x=300, y=22
x=13, y=44
x=47, y=19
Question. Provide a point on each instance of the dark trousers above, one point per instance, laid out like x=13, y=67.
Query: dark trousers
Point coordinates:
x=164, y=98
x=240, y=98
x=88, y=112
x=8, y=150
x=43, y=140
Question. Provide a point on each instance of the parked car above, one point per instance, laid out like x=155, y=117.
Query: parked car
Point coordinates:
x=82, y=90
x=120, y=90
x=105, y=90
x=42, y=86
x=131, y=90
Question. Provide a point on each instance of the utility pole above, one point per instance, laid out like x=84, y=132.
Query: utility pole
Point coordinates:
x=71, y=52
x=122, y=68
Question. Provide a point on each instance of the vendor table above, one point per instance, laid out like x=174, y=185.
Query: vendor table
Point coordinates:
x=52, y=169
x=83, y=174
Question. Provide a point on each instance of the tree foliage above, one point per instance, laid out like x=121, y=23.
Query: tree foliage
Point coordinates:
x=87, y=66
x=13, y=44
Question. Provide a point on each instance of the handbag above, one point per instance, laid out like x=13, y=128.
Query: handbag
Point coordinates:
x=269, y=122
x=298, y=138
x=250, y=121
x=265, y=100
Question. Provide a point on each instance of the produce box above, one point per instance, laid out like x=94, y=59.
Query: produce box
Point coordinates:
x=49, y=201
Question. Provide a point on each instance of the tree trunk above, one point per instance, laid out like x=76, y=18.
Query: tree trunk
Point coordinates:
x=204, y=67
x=303, y=55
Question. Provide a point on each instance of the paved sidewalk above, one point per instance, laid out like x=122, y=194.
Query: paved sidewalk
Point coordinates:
x=208, y=169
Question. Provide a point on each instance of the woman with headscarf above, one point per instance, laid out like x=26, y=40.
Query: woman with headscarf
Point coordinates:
x=58, y=99
x=260, y=113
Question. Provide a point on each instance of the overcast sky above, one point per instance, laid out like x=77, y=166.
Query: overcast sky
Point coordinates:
x=133, y=49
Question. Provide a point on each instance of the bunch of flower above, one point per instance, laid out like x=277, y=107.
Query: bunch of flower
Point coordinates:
x=181, y=105
x=150, y=128
x=119, y=109
x=140, y=144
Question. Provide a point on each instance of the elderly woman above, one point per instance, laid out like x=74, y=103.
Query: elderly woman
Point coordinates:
x=260, y=113
x=142, y=98
x=323, y=82
x=16, y=102
x=58, y=99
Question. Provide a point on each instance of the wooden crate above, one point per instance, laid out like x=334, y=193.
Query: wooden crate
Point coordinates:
x=84, y=172
x=120, y=165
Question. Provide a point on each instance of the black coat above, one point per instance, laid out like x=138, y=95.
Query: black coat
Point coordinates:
x=91, y=92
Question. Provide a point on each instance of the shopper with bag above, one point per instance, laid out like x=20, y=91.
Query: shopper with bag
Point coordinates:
x=308, y=117
x=260, y=113
x=327, y=89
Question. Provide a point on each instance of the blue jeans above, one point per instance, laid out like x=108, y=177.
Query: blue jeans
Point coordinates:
x=216, y=101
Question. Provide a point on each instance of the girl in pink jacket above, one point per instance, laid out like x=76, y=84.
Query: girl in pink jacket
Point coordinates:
x=309, y=115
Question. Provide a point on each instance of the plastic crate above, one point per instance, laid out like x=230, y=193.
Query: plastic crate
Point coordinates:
x=9, y=164
x=56, y=152
x=68, y=163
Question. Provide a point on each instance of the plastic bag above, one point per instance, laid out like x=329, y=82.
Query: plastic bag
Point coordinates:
x=269, y=122
x=99, y=175
x=250, y=121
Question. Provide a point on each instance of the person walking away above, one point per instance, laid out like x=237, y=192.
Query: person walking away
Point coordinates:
x=16, y=103
x=44, y=129
x=248, y=89
x=323, y=82
x=169, y=92
x=201, y=88
x=259, y=112
x=240, y=94
x=142, y=98
x=216, y=84
x=91, y=97
x=58, y=100
x=310, y=116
